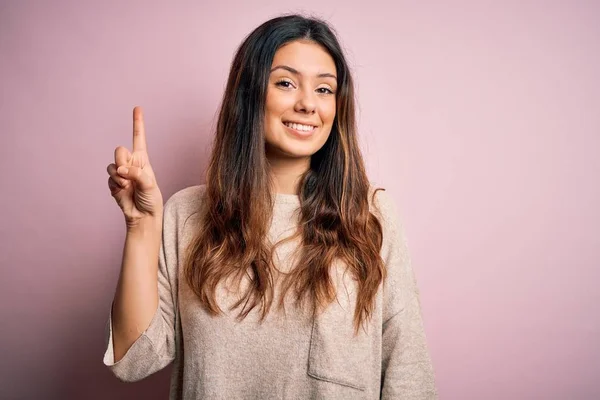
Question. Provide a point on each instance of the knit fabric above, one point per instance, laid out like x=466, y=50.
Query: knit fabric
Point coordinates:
x=291, y=356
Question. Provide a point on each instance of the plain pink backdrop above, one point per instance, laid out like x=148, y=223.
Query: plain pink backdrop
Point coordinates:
x=481, y=119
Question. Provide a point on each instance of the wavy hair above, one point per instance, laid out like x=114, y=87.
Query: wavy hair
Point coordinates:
x=335, y=222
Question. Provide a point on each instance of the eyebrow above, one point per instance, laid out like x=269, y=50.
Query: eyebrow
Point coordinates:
x=296, y=72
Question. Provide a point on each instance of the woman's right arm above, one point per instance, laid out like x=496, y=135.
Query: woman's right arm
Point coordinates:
x=140, y=335
x=136, y=296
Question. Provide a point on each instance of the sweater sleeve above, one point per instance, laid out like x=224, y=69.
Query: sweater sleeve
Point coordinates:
x=154, y=349
x=407, y=371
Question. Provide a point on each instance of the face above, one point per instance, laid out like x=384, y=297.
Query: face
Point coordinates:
x=300, y=105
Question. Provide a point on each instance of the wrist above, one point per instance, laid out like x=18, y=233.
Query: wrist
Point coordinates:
x=146, y=225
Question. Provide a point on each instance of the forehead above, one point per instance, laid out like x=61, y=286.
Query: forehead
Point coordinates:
x=305, y=56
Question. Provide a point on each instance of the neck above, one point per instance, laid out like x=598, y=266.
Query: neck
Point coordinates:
x=286, y=173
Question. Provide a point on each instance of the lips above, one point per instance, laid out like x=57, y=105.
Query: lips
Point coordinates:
x=300, y=130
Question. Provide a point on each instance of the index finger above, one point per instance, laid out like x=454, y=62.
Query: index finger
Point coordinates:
x=139, y=134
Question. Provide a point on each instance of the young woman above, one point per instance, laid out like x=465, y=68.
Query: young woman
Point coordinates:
x=285, y=276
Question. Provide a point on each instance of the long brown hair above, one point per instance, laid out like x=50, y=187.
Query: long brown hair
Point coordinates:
x=335, y=220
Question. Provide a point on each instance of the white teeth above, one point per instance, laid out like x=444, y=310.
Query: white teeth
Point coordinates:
x=299, y=127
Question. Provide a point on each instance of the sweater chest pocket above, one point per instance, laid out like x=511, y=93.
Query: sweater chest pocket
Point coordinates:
x=336, y=354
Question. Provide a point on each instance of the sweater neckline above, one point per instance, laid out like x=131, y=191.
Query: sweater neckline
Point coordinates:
x=287, y=198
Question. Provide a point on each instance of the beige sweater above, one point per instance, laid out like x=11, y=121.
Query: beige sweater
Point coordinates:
x=291, y=357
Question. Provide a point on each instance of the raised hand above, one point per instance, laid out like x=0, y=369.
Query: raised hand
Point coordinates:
x=132, y=182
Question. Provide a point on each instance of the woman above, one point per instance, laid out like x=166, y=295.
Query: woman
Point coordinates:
x=285, y=276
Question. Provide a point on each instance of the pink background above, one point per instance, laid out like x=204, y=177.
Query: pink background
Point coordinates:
x=483, y=121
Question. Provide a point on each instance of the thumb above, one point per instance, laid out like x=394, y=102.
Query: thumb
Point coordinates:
x=137, y=175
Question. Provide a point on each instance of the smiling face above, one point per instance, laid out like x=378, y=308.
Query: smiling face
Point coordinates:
x=301, y=102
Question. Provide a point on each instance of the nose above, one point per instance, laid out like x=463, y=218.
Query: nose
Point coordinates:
x=306, y=102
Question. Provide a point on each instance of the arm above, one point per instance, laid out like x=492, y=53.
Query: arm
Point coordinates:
x=407, y=371
x=136, y=297
x=140, y=336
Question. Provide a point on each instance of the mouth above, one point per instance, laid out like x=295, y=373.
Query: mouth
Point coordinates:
x=301, y=130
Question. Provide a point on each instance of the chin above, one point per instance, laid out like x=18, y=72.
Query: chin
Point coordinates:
x=296, y=153
x=294, y=150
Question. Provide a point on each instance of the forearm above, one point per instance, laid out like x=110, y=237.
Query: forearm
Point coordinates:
x=136, y=296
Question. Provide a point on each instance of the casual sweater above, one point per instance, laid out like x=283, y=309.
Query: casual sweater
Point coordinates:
x=291, y=356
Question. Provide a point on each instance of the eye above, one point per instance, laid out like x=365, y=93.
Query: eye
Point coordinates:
x=284, y=83
x=325, y=90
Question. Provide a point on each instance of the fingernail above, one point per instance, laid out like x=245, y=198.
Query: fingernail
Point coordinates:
x=128, y=156
x=123, y=170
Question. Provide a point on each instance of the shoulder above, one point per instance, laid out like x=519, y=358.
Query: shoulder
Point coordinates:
x=184, y=203
x=382, y=204
x=186, y=196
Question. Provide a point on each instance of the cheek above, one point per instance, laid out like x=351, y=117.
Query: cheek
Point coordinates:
x=277, y=103
x=329, y=112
